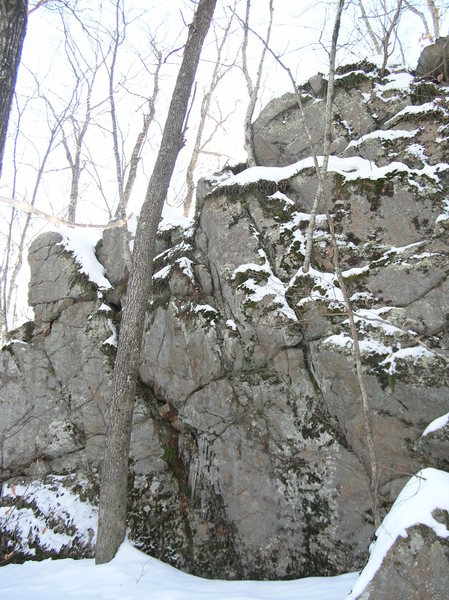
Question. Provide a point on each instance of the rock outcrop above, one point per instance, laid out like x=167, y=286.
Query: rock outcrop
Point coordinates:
x=410, y=558
x=248, y=453
x=415, y=568
x=434, y=61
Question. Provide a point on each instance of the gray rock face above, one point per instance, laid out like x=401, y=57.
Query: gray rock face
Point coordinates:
x=434, y=60
x=248, y=453
x=280, y=138
x=56, y=282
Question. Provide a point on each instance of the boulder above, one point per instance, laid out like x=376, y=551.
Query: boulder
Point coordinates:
x=410, y=558
x=434, y=61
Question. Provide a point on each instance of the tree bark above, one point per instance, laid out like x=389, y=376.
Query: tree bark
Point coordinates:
x=13, y=20
x=253, y=88
x=113, y=491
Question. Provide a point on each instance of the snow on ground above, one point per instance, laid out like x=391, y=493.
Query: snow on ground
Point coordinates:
x=425, y=492
x=133, y=575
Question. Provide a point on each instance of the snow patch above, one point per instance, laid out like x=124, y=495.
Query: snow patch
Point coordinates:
x=436, y=424
x=388, y=135
x=272, y=287
x=54, y=504
x=112, y=339
x=82, y=245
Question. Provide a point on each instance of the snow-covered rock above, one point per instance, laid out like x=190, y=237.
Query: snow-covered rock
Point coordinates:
x=249, y=454
x=410, y=557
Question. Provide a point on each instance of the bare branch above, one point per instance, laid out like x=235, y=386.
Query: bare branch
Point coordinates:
x=32, y=210
x=253, y=87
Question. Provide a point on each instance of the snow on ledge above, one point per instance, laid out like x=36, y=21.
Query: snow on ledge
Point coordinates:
x=425, y=492
x=82, y=245
x=436, y=424
x=351, y=168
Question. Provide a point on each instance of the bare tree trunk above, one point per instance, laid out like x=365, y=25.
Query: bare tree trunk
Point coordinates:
x=113, y=492
x=217, y=75
x=421, y=15
x=253, y=88
x=327, y=137
x=372, y=468
x=435, y=14
x=369, y=29
x=13, y=20
x=387, y=36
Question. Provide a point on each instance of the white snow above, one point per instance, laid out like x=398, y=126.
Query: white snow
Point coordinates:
x=417, y=150
x=204, y=308
x=82, y=244
x=280, y=196
x=132, y=575
x=355, y=271
x=272, y=287
x=424, y=492
x=395, y=81
x=372, y=317
x=445, y=215
x=349, y=73
x=231, y=324
x=369, y=322
x=186, y=266
x=324, y=289
x=52, y=500
x=415, y=110
x=172, y=218
x=436, y=424
x=112, y=339
x=389, y=135
x=163, y=273
x=351, y=168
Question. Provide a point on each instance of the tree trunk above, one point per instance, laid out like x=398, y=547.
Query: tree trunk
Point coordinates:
x=113, y=492
x=13, y=20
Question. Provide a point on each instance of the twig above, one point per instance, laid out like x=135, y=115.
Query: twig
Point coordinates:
x=25, y=207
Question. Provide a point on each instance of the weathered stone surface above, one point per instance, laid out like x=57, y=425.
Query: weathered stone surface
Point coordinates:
x=360, y=104
x=110, y=252
x=248, y=451
x=434, y=60
x=415, y=567
x=434, y=448
x=178, y=359
x=55, y=280
x=280, y=139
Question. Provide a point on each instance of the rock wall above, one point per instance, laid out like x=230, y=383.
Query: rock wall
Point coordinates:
x=248, y=452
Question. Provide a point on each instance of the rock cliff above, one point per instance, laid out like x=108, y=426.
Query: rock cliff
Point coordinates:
x=248, y=453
